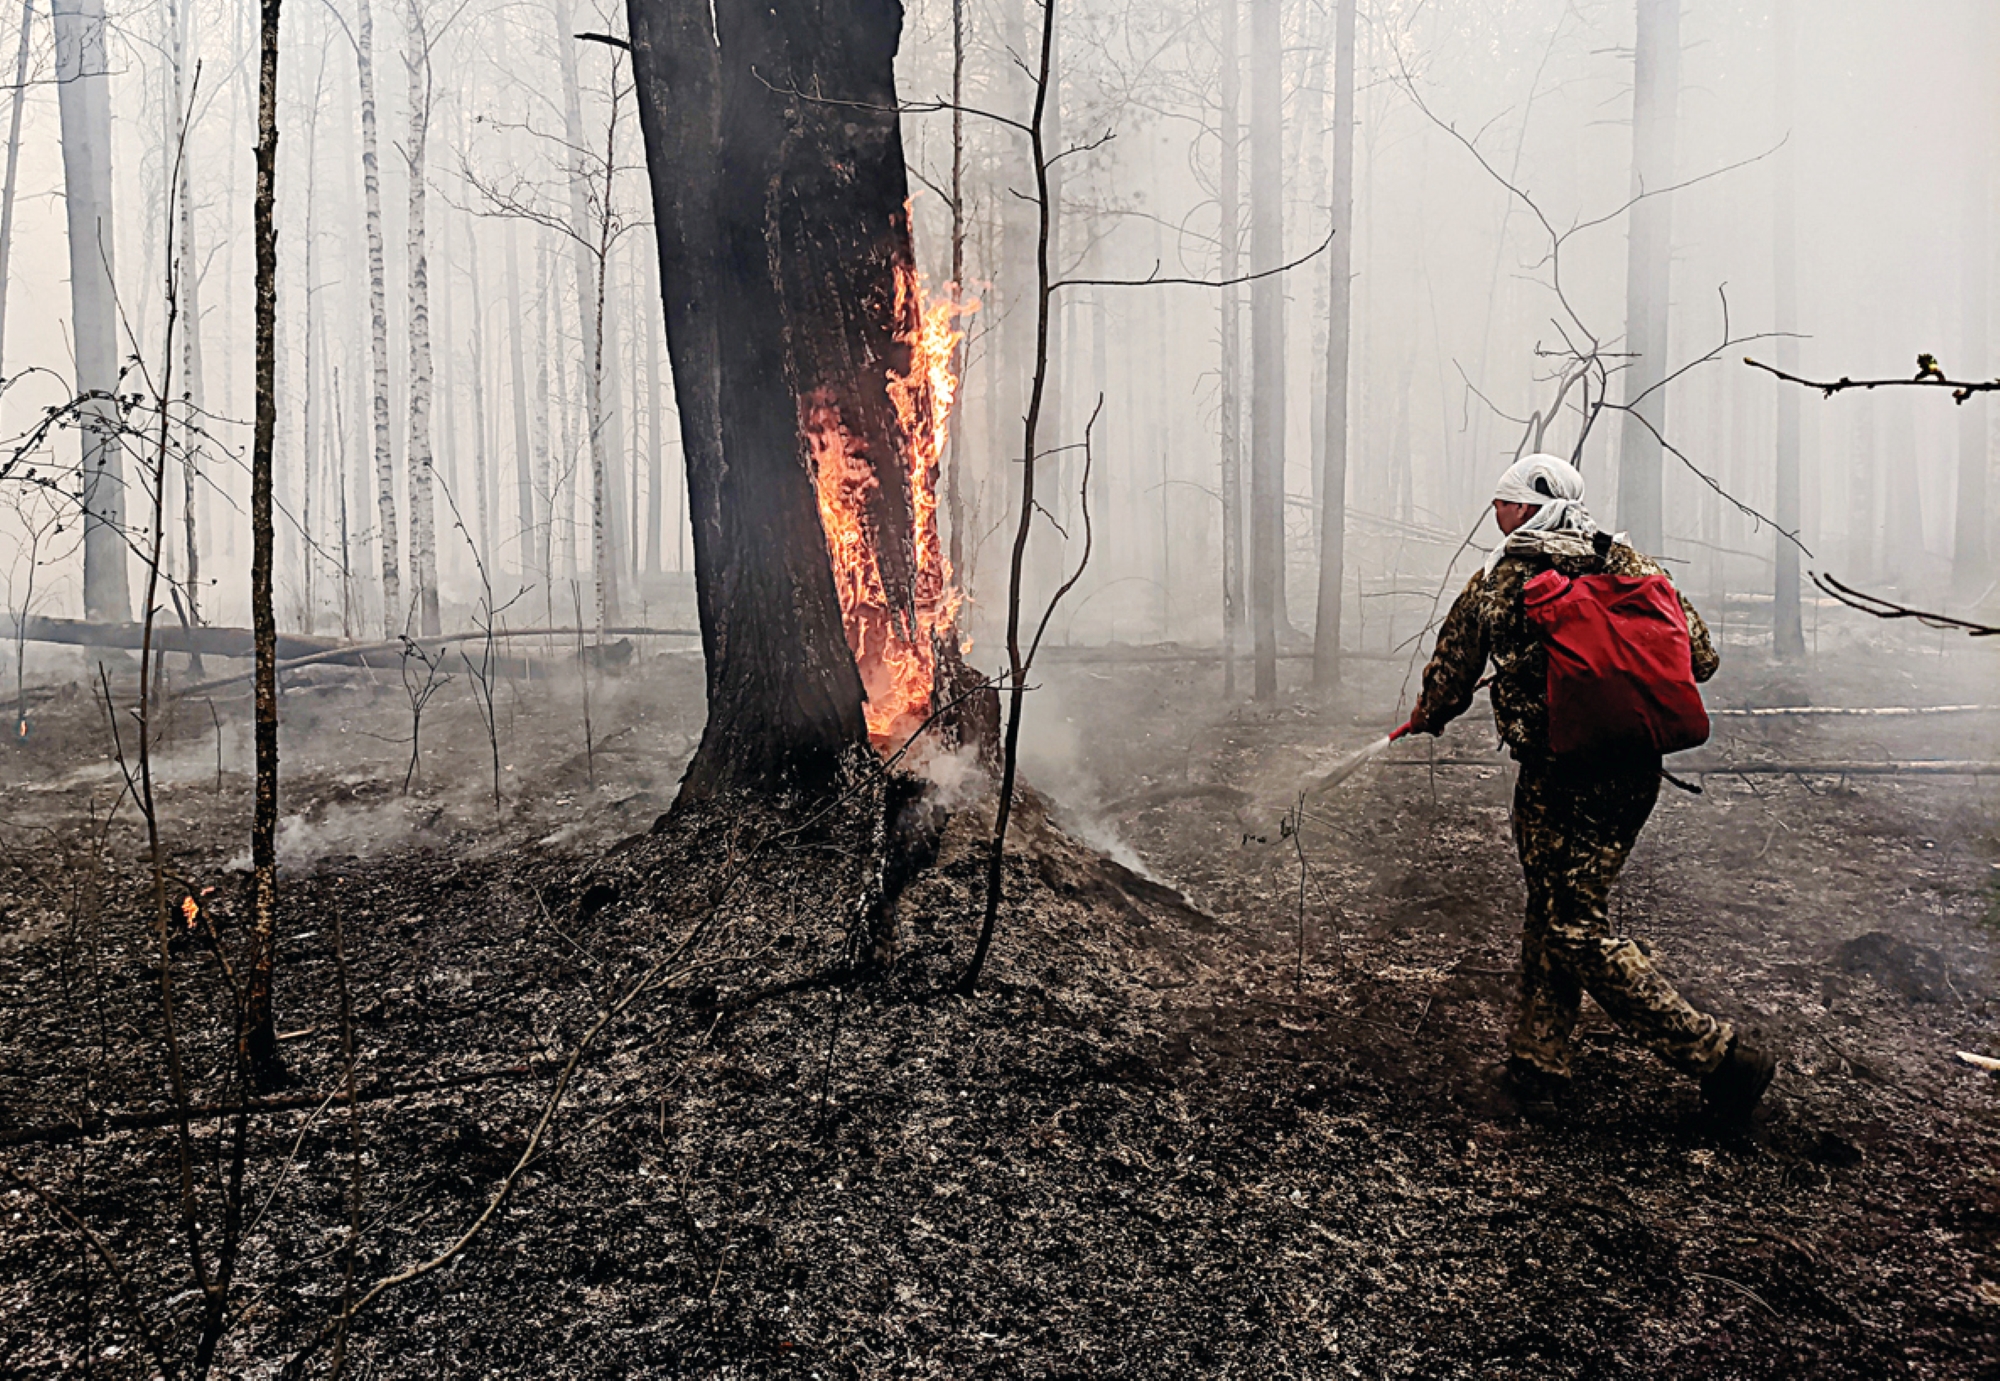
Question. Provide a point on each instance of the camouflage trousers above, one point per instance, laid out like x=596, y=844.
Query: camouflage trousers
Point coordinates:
x=1574, y=830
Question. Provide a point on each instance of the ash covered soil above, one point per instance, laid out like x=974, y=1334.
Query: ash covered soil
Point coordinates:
x=1227, y=1107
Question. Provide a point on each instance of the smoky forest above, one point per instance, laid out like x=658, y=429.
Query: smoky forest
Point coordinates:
x=1019, y=688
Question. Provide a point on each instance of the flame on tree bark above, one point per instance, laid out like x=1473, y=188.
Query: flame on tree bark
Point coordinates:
x=787, y=273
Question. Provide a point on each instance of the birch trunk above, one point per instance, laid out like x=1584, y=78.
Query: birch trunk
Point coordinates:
x=1656, y=75
x=590, y=314
x=393, y=618
x=418, y=457
x=83, y=97
x=1333, y=510
x=954, y=497
x=191, y=393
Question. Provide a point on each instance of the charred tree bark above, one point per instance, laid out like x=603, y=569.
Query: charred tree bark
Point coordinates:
x=260, y=1031
x=780, y=200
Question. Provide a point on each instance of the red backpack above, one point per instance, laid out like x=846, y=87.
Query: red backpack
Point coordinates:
x=1621, y=670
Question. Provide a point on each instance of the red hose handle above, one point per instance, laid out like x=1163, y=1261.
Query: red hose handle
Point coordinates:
x=1408, y=725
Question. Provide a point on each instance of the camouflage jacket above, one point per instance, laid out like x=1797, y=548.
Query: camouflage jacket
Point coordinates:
x=1489, y=621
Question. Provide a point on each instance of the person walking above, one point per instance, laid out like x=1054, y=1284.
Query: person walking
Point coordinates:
x=1577, y=813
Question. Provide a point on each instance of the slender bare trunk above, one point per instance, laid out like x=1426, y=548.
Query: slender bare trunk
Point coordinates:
x=1788, y=637
x=13, y=168
x=481, y=481
x=261, y=1040
x=524, y=478
x=418, y=458
x=1267, y=345
x=378, y=330
x=589, y=269
x=1656, y=75
x=954, y=496
x=656, y=477
x=189, y=284
x=1333, y=509
x=1231, y=202
x=1971, y=560
x=83, y=97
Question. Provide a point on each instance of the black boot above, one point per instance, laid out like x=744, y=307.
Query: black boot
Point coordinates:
x=1531, y=1085
x=1733, y=1087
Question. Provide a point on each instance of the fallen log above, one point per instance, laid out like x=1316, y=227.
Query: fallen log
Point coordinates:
x=1141, y=655
x=201, y=640
x=1920, y=767
x=1817, y=711
x=100, y=1123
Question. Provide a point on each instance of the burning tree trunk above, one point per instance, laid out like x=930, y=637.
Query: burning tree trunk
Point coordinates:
x=813, y=386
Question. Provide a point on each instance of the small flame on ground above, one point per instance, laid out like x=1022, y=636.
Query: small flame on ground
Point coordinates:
x=898, y=662
x=190, y=910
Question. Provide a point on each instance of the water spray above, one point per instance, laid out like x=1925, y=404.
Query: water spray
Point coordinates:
x=1356, y=760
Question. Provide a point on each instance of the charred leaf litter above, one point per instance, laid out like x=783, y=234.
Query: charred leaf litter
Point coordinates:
x=1174, y=1135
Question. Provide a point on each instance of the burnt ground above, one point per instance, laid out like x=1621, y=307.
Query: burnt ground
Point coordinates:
x=1254, y=1131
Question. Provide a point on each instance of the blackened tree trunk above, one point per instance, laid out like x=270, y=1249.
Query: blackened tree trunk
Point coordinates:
x=260, y=1030
x=783, y=234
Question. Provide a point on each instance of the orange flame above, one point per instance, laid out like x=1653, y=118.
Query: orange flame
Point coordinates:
x=190, y=909
x=898, y=663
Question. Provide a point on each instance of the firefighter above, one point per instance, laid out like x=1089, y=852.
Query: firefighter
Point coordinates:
x=1574, y=821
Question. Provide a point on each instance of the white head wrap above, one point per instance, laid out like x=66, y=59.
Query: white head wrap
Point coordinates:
x=1555, y=487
